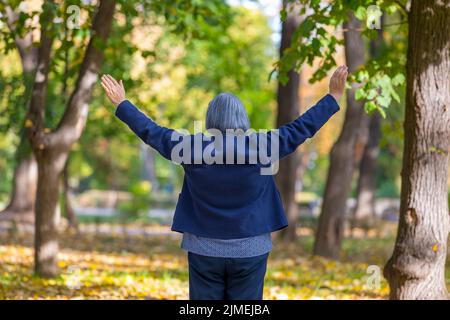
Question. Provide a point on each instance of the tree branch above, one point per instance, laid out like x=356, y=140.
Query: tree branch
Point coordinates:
x=35, y=119
x=28, y=53
x=74, y=119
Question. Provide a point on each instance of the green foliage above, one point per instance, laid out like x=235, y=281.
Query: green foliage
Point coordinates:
x=12, y=95
x=6, y=165
x=388, y=189
x=186, y=18
x=107, y=155
x=7, y=37
x=179, y=77
x=314, y=178
x=378, y=78
x=137, y=207
x=191, y=18
x=234, y=61
x=391, y=149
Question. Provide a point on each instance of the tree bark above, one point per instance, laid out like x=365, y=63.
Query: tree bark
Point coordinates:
x=48, y=214
x=68, y=203
x=288, y=110
x=51, y=149
x=21, y=204
x=67, y=191
x=344, y=156
x=416, y=269
x=28, y=53
x=45, y=241
x=365, y=198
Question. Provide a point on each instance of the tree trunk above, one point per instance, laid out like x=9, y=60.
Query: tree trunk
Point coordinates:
x=47, y=214
x=20, y=207
x=416, y=269
x=365, y=198
x=288, y=110
x=21, y=204
x=344, y=156
x=51, y=149
x=364, y=212
x=68, y=203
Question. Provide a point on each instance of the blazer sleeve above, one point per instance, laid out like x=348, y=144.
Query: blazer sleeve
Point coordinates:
x=296, y=132
x=145, y=128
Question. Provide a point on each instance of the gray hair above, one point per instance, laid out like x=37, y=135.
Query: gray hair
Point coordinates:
x=226, y=111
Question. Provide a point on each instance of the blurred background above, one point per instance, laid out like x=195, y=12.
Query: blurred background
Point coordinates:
x=115, y=196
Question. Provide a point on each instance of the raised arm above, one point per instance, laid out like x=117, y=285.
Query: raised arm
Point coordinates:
x=145, y=128
x=296, y=132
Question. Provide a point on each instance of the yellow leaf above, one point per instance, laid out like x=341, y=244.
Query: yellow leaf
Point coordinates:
x=28, y=123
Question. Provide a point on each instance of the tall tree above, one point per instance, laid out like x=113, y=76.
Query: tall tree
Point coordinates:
x=51, y=148
x=23, y=192
x=366, y=186
x=288, y=109
x=344, y=155
x=72, y=220
x=374, y=84
x=416, y=269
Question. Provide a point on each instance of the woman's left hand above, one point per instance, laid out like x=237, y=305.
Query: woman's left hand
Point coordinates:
x=114, y=90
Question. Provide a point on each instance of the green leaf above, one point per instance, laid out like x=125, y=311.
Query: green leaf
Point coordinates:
x=306, y=27
x=399, y=79
x=283, y=14
x=360, y=94
x=370, y=106
x=383, y=101
x=382, y=112
x=395, y=96
x=361, y=13
x=372, y=94
x=316, y=44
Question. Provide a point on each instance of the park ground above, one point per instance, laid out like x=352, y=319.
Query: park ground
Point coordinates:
x=117, y=265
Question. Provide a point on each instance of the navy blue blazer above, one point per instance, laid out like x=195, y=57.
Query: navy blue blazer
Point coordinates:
x=228, y=201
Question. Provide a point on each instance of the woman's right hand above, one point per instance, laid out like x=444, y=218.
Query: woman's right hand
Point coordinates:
x=114, y=90
x=337, y=82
